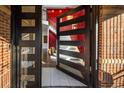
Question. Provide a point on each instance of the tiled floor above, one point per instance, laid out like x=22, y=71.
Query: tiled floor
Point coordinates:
x=51, y=77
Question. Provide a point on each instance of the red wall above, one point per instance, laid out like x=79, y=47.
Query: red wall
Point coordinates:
x=52, y=39
x=53, y=13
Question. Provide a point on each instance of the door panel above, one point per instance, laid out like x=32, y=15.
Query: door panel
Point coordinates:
x=28, y=45
x=73, y=35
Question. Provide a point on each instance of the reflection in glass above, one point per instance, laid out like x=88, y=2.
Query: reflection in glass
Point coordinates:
x=28, y=9
x=27, y=64
x=27, y=22
x=69, y=48
x=28, y=50
x=28, y=78
x=72, y=59
x=80, y=25
x=27, y=67
x=25, y=79
x=73, y=37
x=28, y=36
x=73, y=16
x=79, y=49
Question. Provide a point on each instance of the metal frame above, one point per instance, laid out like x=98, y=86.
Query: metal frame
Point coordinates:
x=16, y=30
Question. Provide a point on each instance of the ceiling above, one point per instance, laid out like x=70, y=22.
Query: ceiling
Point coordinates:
x=108, y=11
x=58, y=6
x=45, y=7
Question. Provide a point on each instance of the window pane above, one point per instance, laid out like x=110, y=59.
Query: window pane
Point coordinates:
x=80, y=25
x=80, y=37
x=72, y=59
x=28, y=36
x=28, y=77
x=28, y=50
x=26, y=64
x=27, y=22
x=25, y=79
x=79, y=49
x=28, y=9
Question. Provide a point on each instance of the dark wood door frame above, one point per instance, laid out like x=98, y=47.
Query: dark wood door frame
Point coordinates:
x=15, y=35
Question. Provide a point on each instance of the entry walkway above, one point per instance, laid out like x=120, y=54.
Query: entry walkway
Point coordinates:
x=52, y=77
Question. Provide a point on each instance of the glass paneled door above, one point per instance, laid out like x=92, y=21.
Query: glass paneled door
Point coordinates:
x=27, y=32
x=73, y=35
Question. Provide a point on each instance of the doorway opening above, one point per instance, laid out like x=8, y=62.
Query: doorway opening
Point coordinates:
x=51, y=76
x=54, y=47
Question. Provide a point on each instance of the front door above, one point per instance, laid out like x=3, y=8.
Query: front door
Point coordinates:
x=73, y=35
x=26, y=22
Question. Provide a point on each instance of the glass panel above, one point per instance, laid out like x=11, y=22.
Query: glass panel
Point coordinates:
x=28, y=9
x=80, y=25
x=79, y=49
x=27, y=64
x=27, y=22
x=28, y=36
x=28, y=78
x=72, y=59
x=79, y=37
x=27, y=67
x=25, y=79
x=28, y=50
x=73, y=16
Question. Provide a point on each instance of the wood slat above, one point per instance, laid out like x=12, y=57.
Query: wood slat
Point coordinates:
x=72, y=64
x=27, y=30
x=27, y=15
x=71, y=43
x=71, y=53
x=27, y=43
x=73, y=32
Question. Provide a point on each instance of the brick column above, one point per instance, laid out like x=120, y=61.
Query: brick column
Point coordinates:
x=4, y=50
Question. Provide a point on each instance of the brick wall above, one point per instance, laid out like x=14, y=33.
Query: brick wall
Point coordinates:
x=111, y=51
x=4, y=50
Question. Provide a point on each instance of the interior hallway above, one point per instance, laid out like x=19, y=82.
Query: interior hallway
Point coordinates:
x=48, y=61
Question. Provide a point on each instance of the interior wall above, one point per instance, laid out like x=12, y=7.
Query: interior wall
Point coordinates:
x=45, y=30
x=5, y=51
x=45, y=36
x=52, y=39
